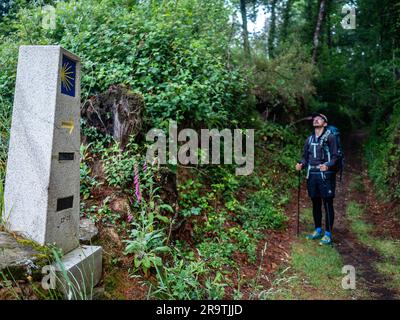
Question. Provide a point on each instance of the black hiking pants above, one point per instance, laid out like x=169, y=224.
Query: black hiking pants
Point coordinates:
x=329, y=213
x=321, y=189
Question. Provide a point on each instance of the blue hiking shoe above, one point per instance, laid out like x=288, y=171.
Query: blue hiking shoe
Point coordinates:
x=326, y=240
x=317, y=234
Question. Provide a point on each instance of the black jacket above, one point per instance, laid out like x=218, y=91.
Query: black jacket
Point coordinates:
x=314, y=152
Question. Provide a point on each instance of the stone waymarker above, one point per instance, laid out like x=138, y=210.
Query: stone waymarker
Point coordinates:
x=42, y=180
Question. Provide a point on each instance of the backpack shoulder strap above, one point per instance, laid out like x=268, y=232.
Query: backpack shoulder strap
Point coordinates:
x=325, y=137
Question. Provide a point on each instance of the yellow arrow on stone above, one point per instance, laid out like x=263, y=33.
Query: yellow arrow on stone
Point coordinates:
x=68, y=125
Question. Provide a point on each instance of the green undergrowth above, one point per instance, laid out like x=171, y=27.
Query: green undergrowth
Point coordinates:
x=226, y=215
x=229, y=213
x=382, y=153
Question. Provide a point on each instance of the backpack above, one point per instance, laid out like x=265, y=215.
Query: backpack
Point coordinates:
x=335, y=131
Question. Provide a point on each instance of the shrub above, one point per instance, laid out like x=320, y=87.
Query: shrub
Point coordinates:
x=181, y=279
x=261, y=212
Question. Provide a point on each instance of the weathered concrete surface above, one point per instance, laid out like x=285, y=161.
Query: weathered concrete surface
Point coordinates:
x=16, y=258
x=80, y=270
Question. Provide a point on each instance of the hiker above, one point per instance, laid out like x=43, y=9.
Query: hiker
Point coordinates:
x=320, y=157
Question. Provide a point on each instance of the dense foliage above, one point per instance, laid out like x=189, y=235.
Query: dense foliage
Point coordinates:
x=193, y=62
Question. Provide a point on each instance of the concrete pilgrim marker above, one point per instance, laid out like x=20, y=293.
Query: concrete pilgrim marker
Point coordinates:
x=42, y=180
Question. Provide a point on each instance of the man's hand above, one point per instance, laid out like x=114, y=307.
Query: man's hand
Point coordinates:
x=323, y=167
x=299, y=166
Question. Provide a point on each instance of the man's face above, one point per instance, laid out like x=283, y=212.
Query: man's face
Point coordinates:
x=319, y=122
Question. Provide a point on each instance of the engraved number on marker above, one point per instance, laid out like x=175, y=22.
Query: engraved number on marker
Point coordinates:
x=66, y=218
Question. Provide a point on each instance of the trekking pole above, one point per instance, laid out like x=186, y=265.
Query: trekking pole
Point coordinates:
x=298, y=205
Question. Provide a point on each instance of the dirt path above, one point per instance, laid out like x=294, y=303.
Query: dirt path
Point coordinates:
x=351, y=250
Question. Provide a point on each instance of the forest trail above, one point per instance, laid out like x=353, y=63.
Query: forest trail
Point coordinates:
x=354, y=247
x=352, y=251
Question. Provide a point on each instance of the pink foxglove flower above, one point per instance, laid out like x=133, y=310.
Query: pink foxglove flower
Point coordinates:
x=137, y=185
x=130, y=218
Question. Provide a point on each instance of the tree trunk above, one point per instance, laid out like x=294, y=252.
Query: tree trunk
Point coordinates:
x=318, y=28
x=309, y=16
x=272, y=30
x=286, y=19
x=246, y=43
x=117, y=112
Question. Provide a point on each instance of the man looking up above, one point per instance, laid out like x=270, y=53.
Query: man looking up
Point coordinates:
x=320, y=155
